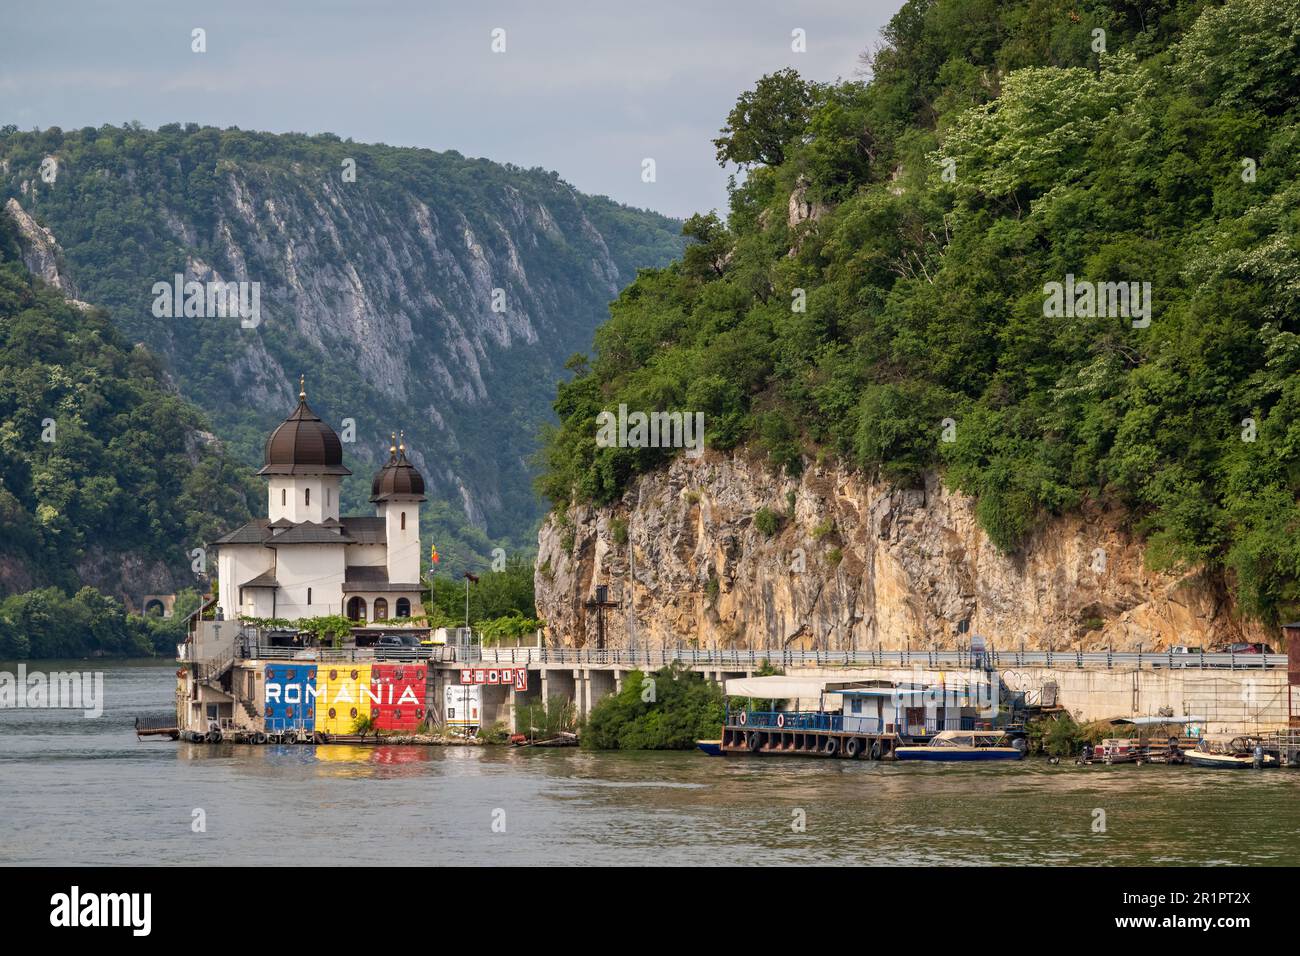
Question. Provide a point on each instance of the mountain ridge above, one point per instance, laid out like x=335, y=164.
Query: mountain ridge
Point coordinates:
x=416, y=290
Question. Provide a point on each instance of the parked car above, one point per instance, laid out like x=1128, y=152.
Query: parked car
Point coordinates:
x=388, y=643
x=1245, y=648
x=1180, y=653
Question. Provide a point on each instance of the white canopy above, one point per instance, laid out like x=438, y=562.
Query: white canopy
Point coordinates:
x=778, y=688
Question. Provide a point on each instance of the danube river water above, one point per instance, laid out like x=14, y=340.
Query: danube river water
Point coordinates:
x=86, y=791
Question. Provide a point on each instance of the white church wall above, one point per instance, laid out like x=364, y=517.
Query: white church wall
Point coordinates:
x=367, y=555
x=310, y=498
x=315, y=566
x=237, y=563
x=403, y=544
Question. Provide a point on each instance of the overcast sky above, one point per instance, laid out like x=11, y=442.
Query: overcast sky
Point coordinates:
x=588, y=89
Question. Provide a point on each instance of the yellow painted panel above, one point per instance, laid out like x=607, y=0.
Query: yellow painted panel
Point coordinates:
x=343, y=696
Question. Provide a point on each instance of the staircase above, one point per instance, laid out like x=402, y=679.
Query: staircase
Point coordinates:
x=211, y=672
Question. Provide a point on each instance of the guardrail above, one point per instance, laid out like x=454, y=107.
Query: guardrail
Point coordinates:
x=730, y=659
x=786, y=719
x=958, y=659
x=327, y=655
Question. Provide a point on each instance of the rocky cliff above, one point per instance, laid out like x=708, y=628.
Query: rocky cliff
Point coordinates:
x=718, y=550
x=417, y=290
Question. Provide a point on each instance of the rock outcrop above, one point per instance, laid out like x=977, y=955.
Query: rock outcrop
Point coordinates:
x=720, y=551
x=430, y=292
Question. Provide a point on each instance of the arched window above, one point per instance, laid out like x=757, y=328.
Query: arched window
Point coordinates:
x=308, y=500
x=357, y=609
x=309, y=595
x=403, y=607
x=283, y=497
x=403, y=520
x=381, y=609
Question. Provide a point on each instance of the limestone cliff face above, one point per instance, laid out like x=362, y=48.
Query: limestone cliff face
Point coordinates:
x=853, y=564
x=428, y=292
x=41, y=253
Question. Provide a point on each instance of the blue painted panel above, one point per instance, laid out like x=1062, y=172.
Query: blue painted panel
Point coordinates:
x=290, y=702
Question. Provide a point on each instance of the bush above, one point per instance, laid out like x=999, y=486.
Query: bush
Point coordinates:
x=495, y=734
x=767, y=521
x=1059, y=736
x=618, y=531
x=668, y=710
x=557, y=716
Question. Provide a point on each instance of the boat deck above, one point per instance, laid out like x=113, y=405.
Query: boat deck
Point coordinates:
x=808, y=741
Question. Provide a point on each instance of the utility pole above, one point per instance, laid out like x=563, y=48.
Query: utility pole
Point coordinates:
x=631, y=589
x=468, y=578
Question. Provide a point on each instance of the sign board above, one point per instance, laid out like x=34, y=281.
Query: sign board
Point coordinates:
x=505, y=676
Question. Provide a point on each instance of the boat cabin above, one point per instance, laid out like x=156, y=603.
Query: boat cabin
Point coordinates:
x=910, y=712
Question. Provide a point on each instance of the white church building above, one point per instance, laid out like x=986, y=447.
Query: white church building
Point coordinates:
x=304, y=560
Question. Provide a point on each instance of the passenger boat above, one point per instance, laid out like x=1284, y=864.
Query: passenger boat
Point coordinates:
x=711, y=747
x=1227, y=752
x=963, y=745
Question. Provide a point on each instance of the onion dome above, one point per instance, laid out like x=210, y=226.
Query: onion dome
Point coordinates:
x=398, y=478
x=303, y=444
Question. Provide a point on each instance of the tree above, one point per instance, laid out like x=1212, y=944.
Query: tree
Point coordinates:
x=766, y=120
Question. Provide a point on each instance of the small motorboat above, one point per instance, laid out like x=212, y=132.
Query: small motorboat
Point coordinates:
x=711, y=747
x=964, y=745
x=1234, y=752
x=1122, y=750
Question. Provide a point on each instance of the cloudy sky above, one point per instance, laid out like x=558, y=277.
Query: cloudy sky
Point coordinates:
x=588, y=89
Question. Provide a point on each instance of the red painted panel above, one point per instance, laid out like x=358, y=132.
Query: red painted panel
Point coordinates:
x=398, y=692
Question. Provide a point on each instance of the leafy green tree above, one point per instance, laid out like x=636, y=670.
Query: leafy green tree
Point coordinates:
x=670, y=709
x=767, y=120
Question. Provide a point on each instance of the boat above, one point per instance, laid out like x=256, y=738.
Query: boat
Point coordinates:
x=561, y=739
x=1121, y=750
x=711, y=747
x=1234, y=752
x=963, y=745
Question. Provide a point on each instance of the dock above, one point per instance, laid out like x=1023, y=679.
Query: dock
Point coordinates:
x=157, y=727
x=807, y=733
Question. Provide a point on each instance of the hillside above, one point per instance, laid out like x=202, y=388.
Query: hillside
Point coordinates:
x=107, y=477
x=376, y=269
x=878, y=309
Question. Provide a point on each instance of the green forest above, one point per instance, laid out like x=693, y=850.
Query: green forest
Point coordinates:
x=130, y=206
x=99, y=461
x=900, y=324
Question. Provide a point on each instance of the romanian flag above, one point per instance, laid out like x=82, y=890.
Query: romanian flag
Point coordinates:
x=433, y=553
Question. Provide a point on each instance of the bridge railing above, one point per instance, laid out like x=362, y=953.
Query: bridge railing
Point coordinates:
x=748, y=660
x=936, y=659
x=786, y=719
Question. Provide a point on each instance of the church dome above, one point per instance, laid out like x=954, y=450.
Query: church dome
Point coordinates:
x=303, y=445
x=398, y=478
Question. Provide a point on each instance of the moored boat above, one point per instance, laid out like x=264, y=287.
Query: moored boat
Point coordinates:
x=1231, y=752
x=711, y=747
x=963, y=745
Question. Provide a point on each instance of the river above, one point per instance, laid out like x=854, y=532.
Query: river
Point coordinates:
x=86, y=791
